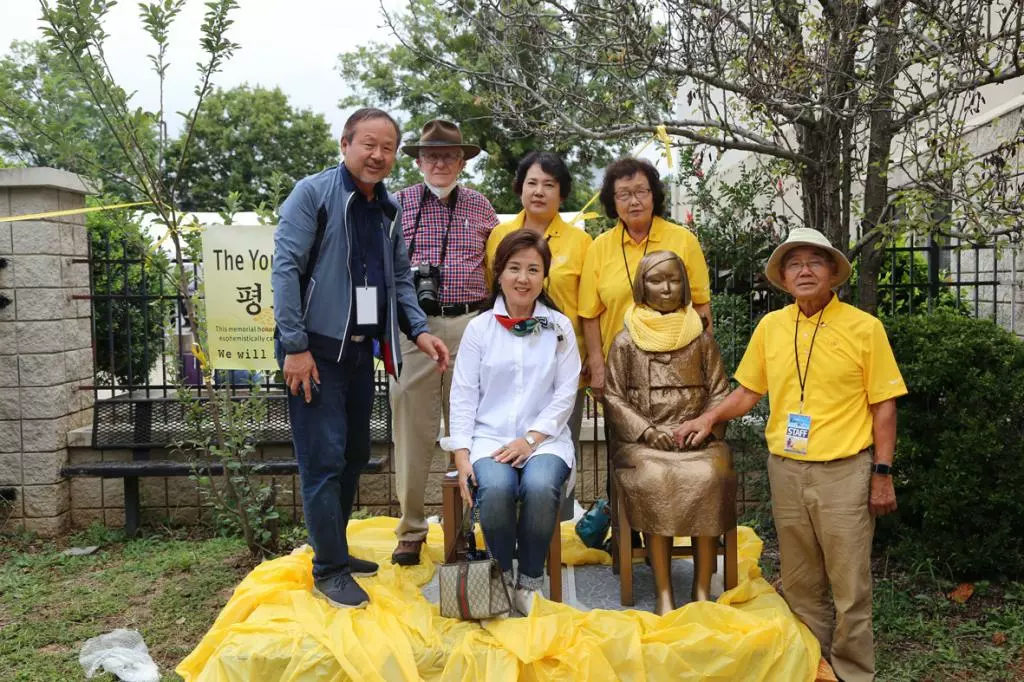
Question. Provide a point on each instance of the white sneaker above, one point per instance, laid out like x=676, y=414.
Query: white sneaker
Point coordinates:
x=523, y=600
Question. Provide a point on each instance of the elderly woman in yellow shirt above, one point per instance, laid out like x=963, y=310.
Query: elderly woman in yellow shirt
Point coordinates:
x=542, y=182
x=632, y=192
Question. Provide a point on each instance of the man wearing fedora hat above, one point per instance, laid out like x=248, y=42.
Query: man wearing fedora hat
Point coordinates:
x=832, y=384
x=446, y=228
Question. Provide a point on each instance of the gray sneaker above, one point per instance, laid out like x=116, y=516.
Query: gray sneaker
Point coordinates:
x=361, y=568
x=342, y=591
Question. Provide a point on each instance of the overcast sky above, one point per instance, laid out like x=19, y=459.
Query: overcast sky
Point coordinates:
x=293, y=44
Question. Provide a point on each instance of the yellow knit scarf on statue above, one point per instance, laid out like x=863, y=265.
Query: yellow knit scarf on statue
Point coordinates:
x=657, y=333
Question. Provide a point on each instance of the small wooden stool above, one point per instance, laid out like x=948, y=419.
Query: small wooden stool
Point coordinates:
x=455, y=544
x=625, y=552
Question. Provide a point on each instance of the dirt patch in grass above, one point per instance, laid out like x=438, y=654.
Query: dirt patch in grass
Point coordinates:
x=53, y=649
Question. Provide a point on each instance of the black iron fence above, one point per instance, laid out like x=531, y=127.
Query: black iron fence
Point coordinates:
x=918, y=275
x=143, y=341
x=982, y=281
x=143, y=352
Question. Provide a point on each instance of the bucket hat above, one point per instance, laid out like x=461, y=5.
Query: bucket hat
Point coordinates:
x=805, y=236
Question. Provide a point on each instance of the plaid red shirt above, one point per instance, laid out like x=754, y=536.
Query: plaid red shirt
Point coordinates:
x=462, y=276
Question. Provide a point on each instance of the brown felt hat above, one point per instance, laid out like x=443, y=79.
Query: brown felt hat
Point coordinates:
x=439, y=133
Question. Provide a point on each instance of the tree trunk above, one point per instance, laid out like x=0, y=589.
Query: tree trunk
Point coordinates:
x=822, y=186
x=876, y=183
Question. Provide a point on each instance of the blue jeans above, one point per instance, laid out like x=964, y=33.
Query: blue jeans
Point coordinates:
x=332, y=445
x=537, y=488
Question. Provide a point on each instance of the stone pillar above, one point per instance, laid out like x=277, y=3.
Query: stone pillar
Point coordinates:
x=45, y=345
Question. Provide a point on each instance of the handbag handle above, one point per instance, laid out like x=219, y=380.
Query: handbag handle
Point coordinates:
x=468, y=530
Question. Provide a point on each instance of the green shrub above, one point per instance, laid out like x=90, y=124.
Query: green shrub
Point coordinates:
x=903, y=287
x=130, y=316
x=960, y=453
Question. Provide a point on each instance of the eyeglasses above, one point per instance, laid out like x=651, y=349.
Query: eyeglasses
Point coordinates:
x=626, y=195
x=795, y=266
x=439, y=157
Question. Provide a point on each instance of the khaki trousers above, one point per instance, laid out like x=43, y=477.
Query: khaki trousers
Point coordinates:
x=418, y=400
x=825, y=530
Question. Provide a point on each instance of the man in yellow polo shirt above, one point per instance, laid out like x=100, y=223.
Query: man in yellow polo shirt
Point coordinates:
x=832, y=381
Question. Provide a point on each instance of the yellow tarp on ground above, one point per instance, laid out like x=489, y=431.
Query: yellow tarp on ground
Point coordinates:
x=273, y=629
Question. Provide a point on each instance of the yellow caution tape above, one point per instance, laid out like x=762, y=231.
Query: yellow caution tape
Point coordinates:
x=70, y=211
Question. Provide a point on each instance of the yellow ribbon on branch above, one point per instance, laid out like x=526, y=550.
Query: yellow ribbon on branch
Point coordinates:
x=661, y=135
x=194, y=227
x=199, y=355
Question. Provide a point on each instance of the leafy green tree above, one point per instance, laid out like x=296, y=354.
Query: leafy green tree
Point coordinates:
x=242, y=140
x=75, y=30
x=47, y=118
x=410, y=77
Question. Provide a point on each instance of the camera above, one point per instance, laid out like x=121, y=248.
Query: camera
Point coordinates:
x=427, y=280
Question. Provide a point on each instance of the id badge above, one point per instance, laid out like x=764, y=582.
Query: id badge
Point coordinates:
x=798, y=431
x=366, y=305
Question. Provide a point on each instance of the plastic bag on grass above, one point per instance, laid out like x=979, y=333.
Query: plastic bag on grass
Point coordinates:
x=121, y=653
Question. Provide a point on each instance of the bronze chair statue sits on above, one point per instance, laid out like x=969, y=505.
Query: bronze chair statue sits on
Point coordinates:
x=663, y=369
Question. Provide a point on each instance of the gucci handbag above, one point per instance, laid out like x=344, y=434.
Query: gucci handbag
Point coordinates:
x=472, y=589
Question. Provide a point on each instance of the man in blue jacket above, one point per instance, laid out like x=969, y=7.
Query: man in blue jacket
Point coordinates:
x=341, y=278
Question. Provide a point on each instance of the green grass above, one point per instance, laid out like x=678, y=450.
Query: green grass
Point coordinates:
x=167, y=586
x=921, y=635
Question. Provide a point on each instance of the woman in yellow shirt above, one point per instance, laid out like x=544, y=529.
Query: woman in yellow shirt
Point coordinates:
x=542, y=182
x=632, y=192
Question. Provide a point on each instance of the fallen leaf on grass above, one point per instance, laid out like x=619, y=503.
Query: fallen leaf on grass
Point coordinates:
x=999, y=638
x=962, y=593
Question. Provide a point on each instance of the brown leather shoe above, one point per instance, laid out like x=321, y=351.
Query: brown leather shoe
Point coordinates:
x=407, y=553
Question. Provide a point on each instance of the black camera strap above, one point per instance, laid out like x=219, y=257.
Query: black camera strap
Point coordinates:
x=448, y=228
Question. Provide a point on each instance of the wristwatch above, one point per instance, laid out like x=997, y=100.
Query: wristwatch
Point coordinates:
x=882, y=469
x=531, y=441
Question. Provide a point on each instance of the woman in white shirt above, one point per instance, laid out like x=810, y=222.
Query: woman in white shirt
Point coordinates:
x=513, y=391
